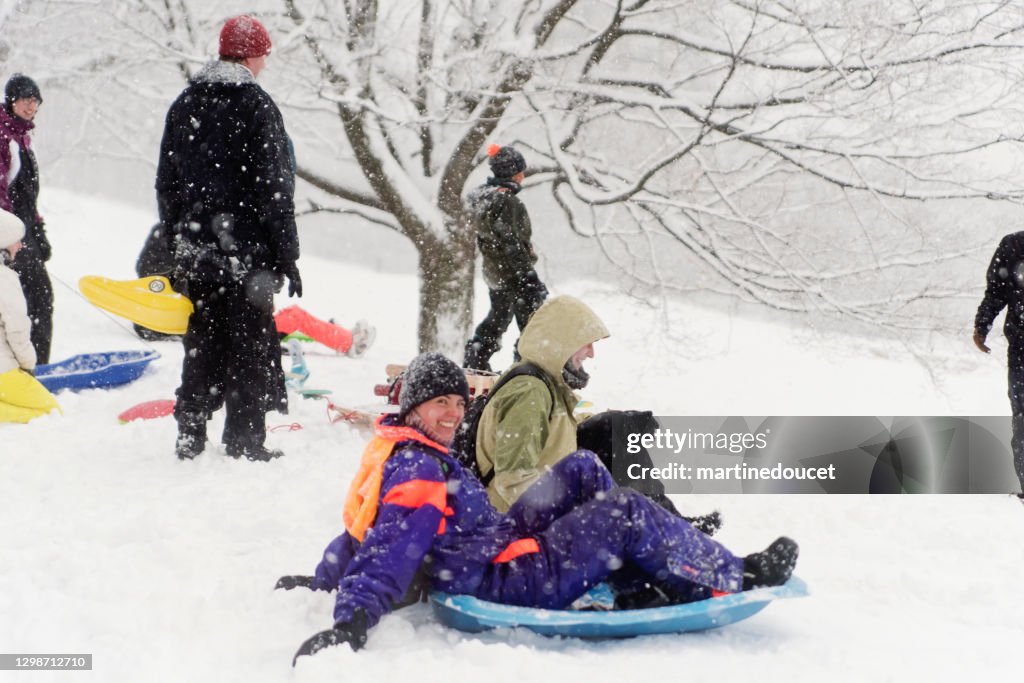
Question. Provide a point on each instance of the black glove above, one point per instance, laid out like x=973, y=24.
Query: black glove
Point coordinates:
x=42, y=243
x=530, y=282
x=290, y=582
x=709, y=523
x=291, y=271
x=351, y=632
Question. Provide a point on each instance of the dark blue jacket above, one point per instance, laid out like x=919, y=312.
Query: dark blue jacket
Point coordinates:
x=432, y=513
x=1004, y=288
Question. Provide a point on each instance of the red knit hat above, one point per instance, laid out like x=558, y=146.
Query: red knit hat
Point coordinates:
x=243, y=37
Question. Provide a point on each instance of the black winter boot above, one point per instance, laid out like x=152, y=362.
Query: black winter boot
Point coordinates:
x=191, y=435
x=188, y=447
x=478, y=354
x=771, y=567
x=252, y=452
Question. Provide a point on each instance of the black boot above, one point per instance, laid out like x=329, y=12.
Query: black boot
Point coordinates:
x=477, y=355
x=191, y=435
x=771, y=567
x=252, y=451
x=245, y=431
x=188, y=447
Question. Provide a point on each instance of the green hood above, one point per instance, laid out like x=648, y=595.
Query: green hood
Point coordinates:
x=559, y=328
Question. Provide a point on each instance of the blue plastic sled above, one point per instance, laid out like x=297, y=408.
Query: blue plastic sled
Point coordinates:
x=467, y=613
x=90, y=370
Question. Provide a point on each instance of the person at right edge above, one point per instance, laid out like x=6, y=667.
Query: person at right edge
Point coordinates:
x=1005, y=289
x=19, y=192
x=503, y=234
x=225, y=190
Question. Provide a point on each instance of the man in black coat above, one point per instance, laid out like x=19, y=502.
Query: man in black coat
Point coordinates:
x=225, y=190
x=1005, y=289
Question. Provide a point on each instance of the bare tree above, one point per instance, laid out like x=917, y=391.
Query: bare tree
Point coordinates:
x=705, y=126
x=418, y=91
x=787, y=148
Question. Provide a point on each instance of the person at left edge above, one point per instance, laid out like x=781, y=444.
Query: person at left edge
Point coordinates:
x=19, y=191
x=225, y=190
x=22, y=397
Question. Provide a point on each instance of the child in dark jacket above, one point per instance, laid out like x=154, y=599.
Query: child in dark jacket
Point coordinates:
x=412, y=506
x=505, y=238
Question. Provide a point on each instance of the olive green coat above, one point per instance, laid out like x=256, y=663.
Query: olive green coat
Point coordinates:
x=522, y=432
x=503, y=234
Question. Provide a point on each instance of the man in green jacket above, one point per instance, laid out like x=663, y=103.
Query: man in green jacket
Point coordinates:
x=504, y=236
x=527, y=427
x=529, y=424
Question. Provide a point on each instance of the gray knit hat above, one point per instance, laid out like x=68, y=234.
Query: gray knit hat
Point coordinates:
x=505, y=161
x=428, y=376
x=19, y=87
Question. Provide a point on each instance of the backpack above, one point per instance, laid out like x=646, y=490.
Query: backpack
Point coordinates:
x=490, y=245
x=464, y=444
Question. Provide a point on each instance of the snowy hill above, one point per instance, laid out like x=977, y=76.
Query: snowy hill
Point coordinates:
x=164, y=570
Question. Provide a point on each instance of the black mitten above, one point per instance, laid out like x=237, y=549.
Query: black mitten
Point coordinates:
x=291, y=271
x=531, y=281
x=709, y=523
x=352, y=632
x=42, y=243
x=290, y=582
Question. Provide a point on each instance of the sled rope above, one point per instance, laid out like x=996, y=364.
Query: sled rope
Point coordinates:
x=336, y=414
x=293, y=427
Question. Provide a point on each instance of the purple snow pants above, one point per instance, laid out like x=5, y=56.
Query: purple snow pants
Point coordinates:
x=589, y=531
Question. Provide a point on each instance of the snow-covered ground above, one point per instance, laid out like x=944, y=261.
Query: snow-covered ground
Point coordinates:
x=164, y=570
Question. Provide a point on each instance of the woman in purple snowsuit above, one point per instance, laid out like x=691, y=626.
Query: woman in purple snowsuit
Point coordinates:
x=413, y=507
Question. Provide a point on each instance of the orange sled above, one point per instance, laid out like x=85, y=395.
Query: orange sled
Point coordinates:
x=296, y=319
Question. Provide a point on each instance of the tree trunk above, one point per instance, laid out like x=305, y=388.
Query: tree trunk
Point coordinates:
x=446, y=271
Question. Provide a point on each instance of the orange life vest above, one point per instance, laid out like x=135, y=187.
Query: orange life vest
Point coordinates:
x=363, y=498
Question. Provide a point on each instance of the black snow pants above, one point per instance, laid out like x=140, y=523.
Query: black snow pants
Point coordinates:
x=520, y=301
x=38, y=290
x=232, y=358
x=1015, y=366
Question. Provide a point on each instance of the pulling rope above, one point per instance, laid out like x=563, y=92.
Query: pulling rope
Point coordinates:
x=293, y=427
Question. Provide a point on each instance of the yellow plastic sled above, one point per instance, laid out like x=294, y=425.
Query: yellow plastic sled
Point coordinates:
x=149, y=301
x=22, y=398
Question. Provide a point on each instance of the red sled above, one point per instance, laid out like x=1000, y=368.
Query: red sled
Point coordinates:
x=148, y=410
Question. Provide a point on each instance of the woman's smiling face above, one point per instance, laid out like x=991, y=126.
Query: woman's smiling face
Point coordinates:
x=442, y=415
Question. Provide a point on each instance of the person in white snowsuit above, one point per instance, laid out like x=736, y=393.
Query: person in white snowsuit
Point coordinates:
x=22, y=398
